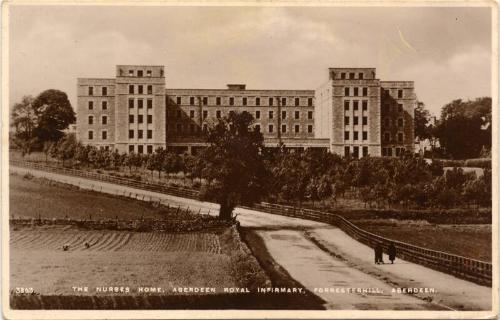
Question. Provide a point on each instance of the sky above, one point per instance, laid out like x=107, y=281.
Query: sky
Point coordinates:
x=446, y=51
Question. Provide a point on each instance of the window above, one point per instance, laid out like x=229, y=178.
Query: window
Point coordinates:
x=271, y=114
x=365, y=91
x=346, y=135
x=384, y=152
x=104, y=91
x=104, y=135
x=218, y=114
x=297, y=128
x=139, y=134
x=131, y=134
x=355, y=105
x=150, y=118
x=351, y=75
x=398, y=151
x=150, y=134
x=365, y=151
x=364, y=104
x=257, y=101
x=365, y=135
x=309, y=115
x=347, y=152
x=205, y=101
x=150, y=89
x=140, y=103
x=346, y=121
x=191, y=101
x=131, y=89
x=346, y=105
x=104, y=105
x=387, y=137
x=297, y=102
x=400, y=94
x=356, y=91
x=191, y=114
x=139, y=73
x=283, y=114
x=310, y=128
x=257, y=114
x=140, y=149
x=205, y=127
x=297, y=114
x=271, y=128
x=217, y=101
x=179, y=100
x=104, y=120
x=387, y=122
x=149, y=149
x=149, y=103
x=355, y=135
x=283, y=101
x=140, y=118
x=400, y=137
x=130, y=148
x=346, y=91
x=91, y=119
x=244, y=101
x=361, y=75
x=91, y=91
x=355, y=152
x=283, y=128
x=257, y=127
x=91, y=135
x=355, y=121
x=310, y=102
x=400, y=107
x=131, y=73
x=130, y=118
x=400, y=122
x=149, y=73
x=231, y=101
x=91, y=105
x=205, y=114
x=271, y=101
x=342, y=75
x=365, y=121
x=179, y=114
x=389, y=152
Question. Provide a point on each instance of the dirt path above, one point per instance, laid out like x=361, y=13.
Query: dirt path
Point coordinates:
x=321, y=256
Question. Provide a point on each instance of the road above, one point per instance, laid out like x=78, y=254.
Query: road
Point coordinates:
x=324, y=259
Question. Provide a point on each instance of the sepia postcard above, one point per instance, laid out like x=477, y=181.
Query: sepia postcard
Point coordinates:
x=249, y=160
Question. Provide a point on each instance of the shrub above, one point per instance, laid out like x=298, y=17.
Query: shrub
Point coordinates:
x=478, y=163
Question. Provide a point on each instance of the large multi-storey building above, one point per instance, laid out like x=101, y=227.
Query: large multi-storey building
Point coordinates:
x=352, y=113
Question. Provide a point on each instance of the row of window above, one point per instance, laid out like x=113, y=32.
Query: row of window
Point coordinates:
x=104, y=120
x=140, y=73
x=218, y=114
x=387, y=152
x=140, y=89
x=104, y=91
x=104, y=135
x=387, y=137
x=355, y=121
x=352, y=75
x=140, y=149
x=355, y=137
x=355, y=105
x=140, y=134
x=387, y=122
x=245, y=101
x=355, y=91
x=354, y=152
x=284, y=128
x=104, y=105
x=140, y=118
x=400, y=92
x=387, y=108
x=140, y=103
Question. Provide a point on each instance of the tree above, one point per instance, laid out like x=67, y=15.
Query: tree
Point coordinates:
x=54, y=113
x=421, y=122
x=465, y=127
x=237, y=169
x=24, y=122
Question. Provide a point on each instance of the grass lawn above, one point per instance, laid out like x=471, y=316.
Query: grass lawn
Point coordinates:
x=472, y=241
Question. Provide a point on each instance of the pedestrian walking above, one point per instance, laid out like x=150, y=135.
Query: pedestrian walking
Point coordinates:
x=392, y=252
x=378, y=254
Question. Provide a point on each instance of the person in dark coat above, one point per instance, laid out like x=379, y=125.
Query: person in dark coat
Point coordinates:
x=392, y=252
x=378, y=254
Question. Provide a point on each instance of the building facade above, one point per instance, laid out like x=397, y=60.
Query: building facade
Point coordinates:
x=353, y=113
